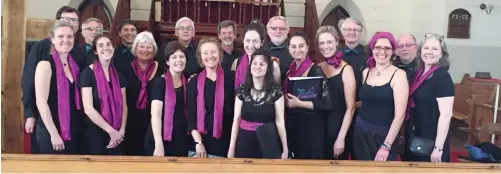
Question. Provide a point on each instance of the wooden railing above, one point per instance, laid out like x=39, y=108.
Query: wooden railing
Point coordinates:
x=126, y=164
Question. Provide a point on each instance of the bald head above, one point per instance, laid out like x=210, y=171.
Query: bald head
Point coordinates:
x=407, y=48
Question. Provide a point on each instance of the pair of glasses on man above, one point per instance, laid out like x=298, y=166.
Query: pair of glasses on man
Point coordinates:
x=97, y=29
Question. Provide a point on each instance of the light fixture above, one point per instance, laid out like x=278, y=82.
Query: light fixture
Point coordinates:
x=487, y=8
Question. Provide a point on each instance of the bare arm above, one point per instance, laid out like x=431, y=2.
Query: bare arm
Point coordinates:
x=276, y=73
x=350, y=86
x=400, y=96
x=91, y=112
x=156, y=122
x=43, y=74
x=124, y=110
x=236, y=122
x=445, y=107
x=280, y=123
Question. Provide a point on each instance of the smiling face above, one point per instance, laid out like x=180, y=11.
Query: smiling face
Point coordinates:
x=91, y=30
x=407, y=48
x=144, y=51
x=209, y=53
x=104, y=48
x=431, y=52
x=185, y=31
x=177, y=62
x=258, y=66
x=227, y=35
x=298, y=48
x=277, y=31
x=63, y=39
x=252, y=42
x=128, y=33
x=382, y=51
x=351, y=31
x=327, y=44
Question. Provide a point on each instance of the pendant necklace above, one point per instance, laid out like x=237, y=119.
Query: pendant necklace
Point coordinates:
x=379, y=72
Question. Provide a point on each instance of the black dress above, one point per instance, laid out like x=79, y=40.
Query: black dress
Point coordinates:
x=374, y=120
x=255, y=110
x=334, y=119
x=213, y=146
x=178, y=146
x=97, y=138
x=137, y=119
x=42, y=134
x=425, y=114
x=305, y=128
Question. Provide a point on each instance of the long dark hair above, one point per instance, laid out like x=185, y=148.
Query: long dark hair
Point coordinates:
x=268, y=77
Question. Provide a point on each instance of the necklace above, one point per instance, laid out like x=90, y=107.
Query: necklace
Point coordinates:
x=64, y=64
x=379, y=72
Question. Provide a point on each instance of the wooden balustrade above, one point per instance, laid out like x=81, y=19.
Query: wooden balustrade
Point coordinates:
x=127, y=164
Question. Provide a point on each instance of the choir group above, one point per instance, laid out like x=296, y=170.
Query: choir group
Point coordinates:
x=206, y=99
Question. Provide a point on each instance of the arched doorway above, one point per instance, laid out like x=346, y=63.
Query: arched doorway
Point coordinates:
x=95, y=9
x=336, y=14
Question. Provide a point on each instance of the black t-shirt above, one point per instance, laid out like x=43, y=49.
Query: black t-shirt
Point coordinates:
x=87, y=79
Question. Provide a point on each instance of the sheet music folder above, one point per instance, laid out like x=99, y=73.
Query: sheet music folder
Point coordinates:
x=269, y=141
x=306, y=88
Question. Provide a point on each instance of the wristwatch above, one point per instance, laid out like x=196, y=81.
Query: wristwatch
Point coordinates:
x=437, y=149
x=198, y=142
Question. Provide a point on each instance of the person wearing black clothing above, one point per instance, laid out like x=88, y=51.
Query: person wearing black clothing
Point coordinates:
x=406, y=52
x=140, y=74
x=384, y=95
x=91, y=27
x=341, y=82
x=210, y=101
x=278, y=29
x=123, y=56
x=57, y=96
x=431, y=99
x=259, y=101
x=104, y=102
x=39, y=51
x=304, y=120
x=167, y=134
x=226, y=31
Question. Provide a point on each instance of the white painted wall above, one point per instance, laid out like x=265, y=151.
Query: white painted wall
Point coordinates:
x=46, y=9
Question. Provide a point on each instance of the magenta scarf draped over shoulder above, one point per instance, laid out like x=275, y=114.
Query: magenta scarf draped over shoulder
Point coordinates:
x=218, y=103
x=295, y=71
x=416, y=82
x=336, y=59
x=241, y=70
x=109, y=96
x=170, y=104
x=63, y=93
x=143, y=76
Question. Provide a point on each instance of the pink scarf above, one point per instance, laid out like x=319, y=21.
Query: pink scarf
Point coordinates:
x=295, y=71
x=241, y=70
x=218, y=103
x=63, y=90
x=143, y=76
x=336, y=59
x=170, y=104
x=416, y=82
x=110, y=97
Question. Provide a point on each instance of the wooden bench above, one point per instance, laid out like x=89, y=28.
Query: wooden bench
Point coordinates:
x=126, y=164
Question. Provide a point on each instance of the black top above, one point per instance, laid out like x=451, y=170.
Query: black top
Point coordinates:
x=425, y=114
x=409, y=69
x=87, y=79
x=52, y=100
x=378, y=105
x=282, y=53
x=122, y=57
x=334, y=120
x=356, y=58
x=134, y=86
x=179, y=126
x=228, y=59
x=88, y=53
x=38, y=52
x=213, y=146
x=258, y=105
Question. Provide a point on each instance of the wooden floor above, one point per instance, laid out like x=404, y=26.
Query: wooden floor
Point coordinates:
x=109, y=164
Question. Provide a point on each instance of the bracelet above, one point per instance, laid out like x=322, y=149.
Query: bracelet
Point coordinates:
x=385, y=147
x=438, y=150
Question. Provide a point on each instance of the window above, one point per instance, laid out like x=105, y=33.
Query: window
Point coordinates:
x=459, y=24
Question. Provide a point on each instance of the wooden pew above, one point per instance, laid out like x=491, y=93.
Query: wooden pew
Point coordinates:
x=126, y=164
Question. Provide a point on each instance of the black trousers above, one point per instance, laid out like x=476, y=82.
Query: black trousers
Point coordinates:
x=368, y=141
x=98, y=139
x=44, y=142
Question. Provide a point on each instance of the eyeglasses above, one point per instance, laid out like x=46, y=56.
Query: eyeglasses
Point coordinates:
x=379, y=48
x=405, y=45
x=356, y=30
x=189, y=28
x=277, y=29
x=69, y=19
x=97, y=29
x=438, y=36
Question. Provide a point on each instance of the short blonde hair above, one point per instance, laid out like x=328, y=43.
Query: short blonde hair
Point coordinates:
x=144, y=37
x=207, y=40
x=84, y=23
x=327, y=29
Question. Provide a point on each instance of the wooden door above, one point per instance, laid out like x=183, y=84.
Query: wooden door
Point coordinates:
x=336, y=14
x=95, y=9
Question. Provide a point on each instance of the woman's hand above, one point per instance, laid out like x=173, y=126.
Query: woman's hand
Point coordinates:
x=338, y=147
x=201, y=152
x=57, y=142
x=436, y=156
x=231, y=152
x=293, y=101
x=115, y=139
x=30, y=125
x=382, y=154
x=159, y=151
x=285, y=154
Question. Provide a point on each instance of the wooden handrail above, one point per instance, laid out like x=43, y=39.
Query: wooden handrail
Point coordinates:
x=88, y=163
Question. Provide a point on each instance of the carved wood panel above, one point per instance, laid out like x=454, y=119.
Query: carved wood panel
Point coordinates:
x=459, y=24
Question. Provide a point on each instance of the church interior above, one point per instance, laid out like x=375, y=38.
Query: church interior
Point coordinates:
x=473, y=40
